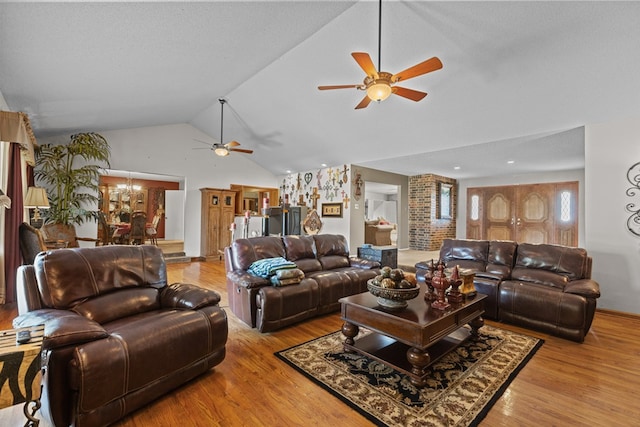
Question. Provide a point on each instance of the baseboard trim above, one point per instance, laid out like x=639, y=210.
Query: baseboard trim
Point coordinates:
x=618, y=313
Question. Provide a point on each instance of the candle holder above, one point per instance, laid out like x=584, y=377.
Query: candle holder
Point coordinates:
x=430, y=294
x=440, y=283
x=454, y=295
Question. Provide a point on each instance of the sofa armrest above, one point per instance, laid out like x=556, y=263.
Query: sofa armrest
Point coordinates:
x=246, y=280
x=61, y=327
x=364, y=264
x=27, y=292
x=586, y=287
x=183, y=295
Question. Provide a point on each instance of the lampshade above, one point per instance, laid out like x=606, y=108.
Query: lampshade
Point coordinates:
x=36, y=198
x=379, y=91
x=221, y=151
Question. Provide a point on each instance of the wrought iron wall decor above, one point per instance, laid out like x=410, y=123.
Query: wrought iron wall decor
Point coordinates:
x=633, y=176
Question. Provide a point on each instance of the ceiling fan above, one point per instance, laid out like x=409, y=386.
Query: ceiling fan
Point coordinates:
x=379, y=85
x=220, y=148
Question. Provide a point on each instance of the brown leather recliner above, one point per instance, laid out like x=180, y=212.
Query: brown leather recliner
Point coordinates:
x=116, y=334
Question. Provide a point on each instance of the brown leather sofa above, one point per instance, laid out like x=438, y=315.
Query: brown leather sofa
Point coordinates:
x=116, y=334
x=330, y=274
x=544, y=287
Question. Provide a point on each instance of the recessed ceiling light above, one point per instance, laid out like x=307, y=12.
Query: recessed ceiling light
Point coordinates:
x=288, y=171
x=456, y=167
x=511, y=162
x=324, y=165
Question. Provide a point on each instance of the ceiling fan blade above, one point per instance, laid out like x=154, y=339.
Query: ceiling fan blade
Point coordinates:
x=339, y=87
x=364, y=61
x=241, y=150
x=202, y=142
x=364, y=103
x=411, y=94
x=424, y=67
x=232, y=144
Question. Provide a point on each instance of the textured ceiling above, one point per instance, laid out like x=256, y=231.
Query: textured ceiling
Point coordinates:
x=519, y=80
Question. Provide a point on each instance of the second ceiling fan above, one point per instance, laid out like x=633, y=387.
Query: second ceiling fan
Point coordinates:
x=379, y=85
x=220, y=148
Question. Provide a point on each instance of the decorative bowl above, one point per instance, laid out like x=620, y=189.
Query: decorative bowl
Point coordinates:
x=393, y=298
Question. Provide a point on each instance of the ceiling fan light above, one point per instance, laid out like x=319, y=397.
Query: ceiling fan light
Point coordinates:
x=221, y=151
x=379, y=91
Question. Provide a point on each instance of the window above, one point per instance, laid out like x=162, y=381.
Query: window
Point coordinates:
x=475, y=207
x=565, y=206
x=445, y=201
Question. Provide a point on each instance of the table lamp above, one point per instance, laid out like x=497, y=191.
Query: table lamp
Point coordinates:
x=37, y=199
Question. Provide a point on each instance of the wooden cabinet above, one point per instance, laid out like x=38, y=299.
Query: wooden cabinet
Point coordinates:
x=217, y=214
x=250, y=198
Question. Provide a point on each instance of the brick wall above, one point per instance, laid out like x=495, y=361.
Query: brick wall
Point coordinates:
x=426, y=230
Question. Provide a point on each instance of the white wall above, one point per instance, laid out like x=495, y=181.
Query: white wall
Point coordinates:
x=611, y=149
x=169, y=150
x=535, y=178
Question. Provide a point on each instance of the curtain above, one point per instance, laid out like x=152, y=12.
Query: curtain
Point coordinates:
x=13, y=219
x=17, y=161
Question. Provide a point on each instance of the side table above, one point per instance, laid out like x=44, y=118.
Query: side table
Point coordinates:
x=21, y=371
x=385, y=255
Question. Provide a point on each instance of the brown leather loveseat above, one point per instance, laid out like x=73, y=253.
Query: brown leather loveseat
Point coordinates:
x=116, y=334
x=539, y=286
x=329, y=274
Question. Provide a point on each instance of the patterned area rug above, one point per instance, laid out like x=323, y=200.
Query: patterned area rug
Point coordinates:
x=463, y=384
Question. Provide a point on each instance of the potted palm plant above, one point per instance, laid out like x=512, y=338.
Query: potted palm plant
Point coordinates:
x=71, y=174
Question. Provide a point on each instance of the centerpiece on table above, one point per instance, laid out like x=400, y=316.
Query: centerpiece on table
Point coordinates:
x=393, y=288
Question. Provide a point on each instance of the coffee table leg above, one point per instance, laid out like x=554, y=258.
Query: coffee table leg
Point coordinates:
x=419, y=360
x=476, y=324
x=350, y=331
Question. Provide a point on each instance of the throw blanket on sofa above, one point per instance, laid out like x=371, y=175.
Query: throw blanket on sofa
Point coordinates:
x=287, y=277
x=267, y=267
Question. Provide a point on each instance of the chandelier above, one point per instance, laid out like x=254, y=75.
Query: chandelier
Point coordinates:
x=129, y=187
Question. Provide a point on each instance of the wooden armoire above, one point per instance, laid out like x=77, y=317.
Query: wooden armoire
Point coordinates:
x=217, y=214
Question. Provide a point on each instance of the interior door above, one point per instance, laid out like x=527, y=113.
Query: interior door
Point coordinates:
x=174, y=214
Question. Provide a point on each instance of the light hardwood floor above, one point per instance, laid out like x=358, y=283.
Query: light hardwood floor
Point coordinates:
x=566, y=383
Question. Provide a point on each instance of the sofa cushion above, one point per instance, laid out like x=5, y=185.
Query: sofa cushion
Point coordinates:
x=104, y=270
x=247, y=251
x=332, y=262
x=308, y=265
x=542, y=277
x=464, y=253
x=331, y=244
x=566, y=261
x=299, y=247
x=119, y=304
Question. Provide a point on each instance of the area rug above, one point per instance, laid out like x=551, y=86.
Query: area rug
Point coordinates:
x=462, y=385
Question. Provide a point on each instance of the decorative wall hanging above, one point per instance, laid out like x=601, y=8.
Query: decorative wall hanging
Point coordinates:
x=633, y=176
x=345, y=177
x=357, y=193
x=312, y=224
x=332, y=209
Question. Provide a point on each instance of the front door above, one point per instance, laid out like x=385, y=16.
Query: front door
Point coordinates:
x=533, y=213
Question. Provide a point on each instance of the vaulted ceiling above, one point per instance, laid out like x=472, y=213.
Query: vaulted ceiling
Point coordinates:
x=519, y=78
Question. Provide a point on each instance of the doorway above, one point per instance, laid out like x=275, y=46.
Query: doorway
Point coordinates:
x=533, y=213
x=381, y=201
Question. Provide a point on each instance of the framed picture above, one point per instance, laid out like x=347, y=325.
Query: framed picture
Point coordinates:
x=445, y=201
x=332, y=209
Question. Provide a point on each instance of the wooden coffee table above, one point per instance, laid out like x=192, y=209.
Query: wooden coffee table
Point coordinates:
x=412, y=339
